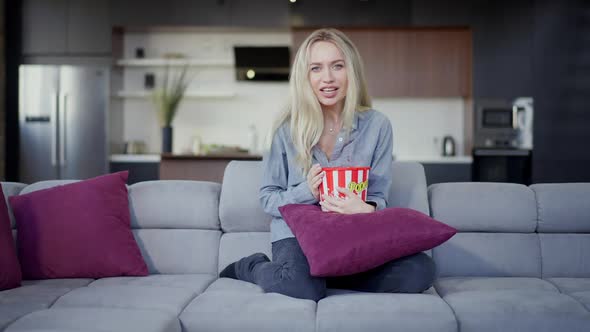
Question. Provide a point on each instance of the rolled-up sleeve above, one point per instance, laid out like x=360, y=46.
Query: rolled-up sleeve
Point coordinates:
x=381, y=168
x=275, y=190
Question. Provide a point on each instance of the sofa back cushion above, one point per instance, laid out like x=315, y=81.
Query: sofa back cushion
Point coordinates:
x=563, y=227
x=246, y=226
x=496, y=224
x=176, y=225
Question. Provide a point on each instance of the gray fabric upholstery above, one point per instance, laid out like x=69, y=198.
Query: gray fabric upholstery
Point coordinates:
x=408, y=187
x=234, y=246
x=11, y=189
x=446, y=286
x=71, y=283
x=565, y=255
x=174, y=204
x=518, y=310
x=166, y=299
x=179, y=251
x=239, y=207
x=571, y=285
x=563, y=207
x=384, y=312
x=233, y=285
x=196, y=283
x=241, y=311
x=45, y=185
x=489, y=255
x=32, y=296
x=484, y=207
x=97, y=319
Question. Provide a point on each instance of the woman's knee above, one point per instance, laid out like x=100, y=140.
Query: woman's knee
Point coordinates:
x=419, y=272
x=301, y=287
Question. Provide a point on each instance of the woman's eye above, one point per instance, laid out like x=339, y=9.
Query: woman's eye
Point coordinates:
x=315, y=68
x=338, y=66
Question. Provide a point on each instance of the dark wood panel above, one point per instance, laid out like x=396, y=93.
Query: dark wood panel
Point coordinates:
x=412, y=62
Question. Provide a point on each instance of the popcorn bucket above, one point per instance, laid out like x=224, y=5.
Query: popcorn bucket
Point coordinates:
x=356, y=179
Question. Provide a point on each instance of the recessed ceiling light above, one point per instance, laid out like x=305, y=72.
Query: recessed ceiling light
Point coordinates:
x=293, y=1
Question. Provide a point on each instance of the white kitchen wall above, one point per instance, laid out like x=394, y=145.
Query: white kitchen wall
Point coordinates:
x=419, y=123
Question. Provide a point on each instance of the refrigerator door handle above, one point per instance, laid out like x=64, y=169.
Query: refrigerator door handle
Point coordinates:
x=54, y=119
x=62, y=133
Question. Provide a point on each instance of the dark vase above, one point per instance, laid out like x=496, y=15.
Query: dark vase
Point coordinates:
x=166, y=139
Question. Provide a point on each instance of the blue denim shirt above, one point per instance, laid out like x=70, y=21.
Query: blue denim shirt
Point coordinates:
x=370, y=143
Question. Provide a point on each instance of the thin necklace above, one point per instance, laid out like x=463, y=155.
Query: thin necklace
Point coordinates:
x=331, y=130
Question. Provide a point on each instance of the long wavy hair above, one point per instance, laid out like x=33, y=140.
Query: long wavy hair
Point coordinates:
x=303, y=109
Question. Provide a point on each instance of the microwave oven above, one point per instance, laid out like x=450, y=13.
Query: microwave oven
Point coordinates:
x=502, y=124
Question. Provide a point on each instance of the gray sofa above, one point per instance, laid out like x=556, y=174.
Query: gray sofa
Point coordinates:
x=519, y=263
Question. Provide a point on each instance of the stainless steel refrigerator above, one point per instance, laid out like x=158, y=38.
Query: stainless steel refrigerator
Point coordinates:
x=62, y=122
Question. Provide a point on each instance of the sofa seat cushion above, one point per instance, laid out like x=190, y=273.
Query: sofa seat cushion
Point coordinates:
x=451, y=285
x=571, y=285
x=578, y=288
x=195, y=283
x=34, y=295
x=517, y=310
x=96, y=319
x=166, y=299
x=245, y=311
x=233, y=285
x=350, y=311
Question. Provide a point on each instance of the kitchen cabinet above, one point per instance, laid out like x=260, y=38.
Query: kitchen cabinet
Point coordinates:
x=198, y=168
x=447, y=172
x=259, y=13
x=412, y=62
x=170, y=13
x=350, y=13
x=138, y=171
x=65, y=27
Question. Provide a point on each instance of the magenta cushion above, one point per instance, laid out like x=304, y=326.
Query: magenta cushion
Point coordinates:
x=78, y=230
x=10, y=274
x=340, y=244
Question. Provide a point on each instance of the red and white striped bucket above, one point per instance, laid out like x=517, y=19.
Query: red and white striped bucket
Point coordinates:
x=356, y=179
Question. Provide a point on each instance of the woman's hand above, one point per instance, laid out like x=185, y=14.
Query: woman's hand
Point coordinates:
x=314, y=179
x=347, y=205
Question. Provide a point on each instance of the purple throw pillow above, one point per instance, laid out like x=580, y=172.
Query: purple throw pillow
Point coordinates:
x=10, y=274
x=78, y=230
x=340, y=244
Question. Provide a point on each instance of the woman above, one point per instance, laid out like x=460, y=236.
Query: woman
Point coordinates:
x=329, y=122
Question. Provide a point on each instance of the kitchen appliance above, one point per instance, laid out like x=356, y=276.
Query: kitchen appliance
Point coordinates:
x=449, y=146
x=262, y=63
x=503, y=141
x=62, y=122
x=504, y=124
x=502, y=165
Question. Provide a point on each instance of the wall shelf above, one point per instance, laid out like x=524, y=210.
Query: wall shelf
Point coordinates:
x=155, y=62
x=188, y=95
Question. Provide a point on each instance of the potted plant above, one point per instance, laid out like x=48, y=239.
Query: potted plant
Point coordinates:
x=167, y=98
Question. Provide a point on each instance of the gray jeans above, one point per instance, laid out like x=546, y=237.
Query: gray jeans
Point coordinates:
x=289, y=274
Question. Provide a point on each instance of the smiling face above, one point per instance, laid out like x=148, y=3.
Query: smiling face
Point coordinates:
x=328, y=75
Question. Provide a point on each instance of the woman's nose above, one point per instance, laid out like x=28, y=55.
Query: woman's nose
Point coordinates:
x=327, y=76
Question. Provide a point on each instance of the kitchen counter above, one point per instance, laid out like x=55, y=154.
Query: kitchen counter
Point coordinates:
x=220, y=156
x=242, y=156
x=436, y=159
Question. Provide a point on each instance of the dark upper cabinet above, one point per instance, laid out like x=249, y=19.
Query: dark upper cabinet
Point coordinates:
x=349, y=13
x=436, y=13
x=503, y=49
x=146, y=13
x=65, y=27
x=89, y=27
x=259, y=13
x=44, y=26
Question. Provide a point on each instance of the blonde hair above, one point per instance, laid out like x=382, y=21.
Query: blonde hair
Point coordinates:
x=304, y=110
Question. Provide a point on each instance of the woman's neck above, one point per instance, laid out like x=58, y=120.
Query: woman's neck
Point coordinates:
x=332, y=114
